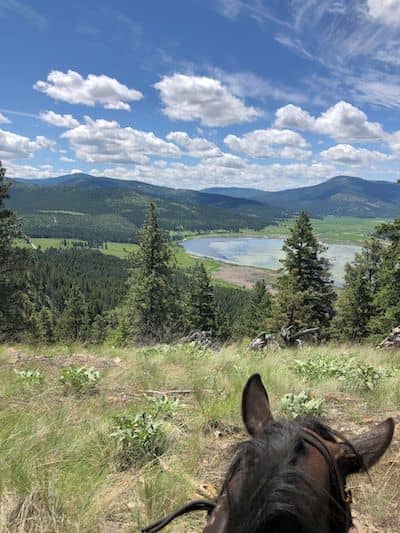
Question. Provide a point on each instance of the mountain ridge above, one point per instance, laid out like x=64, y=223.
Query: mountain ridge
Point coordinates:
x=101, y=208
x=339, y=195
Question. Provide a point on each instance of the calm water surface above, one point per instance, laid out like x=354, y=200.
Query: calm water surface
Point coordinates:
x=263, y=252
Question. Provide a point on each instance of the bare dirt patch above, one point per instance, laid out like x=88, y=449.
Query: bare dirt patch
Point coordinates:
x=21, y=359
x=245, y=276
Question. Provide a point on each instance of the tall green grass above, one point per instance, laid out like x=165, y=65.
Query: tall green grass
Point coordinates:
x=58, y=465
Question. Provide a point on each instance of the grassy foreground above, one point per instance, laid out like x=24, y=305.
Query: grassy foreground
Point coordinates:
x=60, y=467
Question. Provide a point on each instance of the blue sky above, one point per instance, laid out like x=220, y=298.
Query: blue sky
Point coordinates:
x=197, y=93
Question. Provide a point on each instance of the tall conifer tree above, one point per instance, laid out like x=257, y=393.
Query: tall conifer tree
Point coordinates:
x=255, y=316
x=13, y=302
x=305, y=288
x=149, y=306
x=387, y=297
x=74, y=320
x=356, y=306
x=201, y=306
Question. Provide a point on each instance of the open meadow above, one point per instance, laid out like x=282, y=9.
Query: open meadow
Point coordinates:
x=140, y=431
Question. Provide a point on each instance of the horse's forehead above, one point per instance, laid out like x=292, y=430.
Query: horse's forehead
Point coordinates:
x=315, y=465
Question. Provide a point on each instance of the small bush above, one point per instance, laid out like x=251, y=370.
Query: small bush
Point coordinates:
x=140, y=438
x=353, y=373
x=163, y=407
x=361, y=376
x=81, y=380
x=316, y=368
x=301, y=404
x=30, y=377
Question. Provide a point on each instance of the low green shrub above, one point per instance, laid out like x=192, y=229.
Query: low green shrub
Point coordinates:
x=361, y=376
x=163, y=407
x=80, y=380
x=353, y=373
x=33, y=376
x=139, y=439
x=302, y=404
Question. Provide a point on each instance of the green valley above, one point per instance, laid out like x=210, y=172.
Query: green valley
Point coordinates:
x=80, y=206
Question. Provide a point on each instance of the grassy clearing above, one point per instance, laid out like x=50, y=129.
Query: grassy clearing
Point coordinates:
x=331, y=229
x=122, y=249
x=118, y=249
x=73, y=462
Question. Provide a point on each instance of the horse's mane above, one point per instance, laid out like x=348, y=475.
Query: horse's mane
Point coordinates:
x=273, y=494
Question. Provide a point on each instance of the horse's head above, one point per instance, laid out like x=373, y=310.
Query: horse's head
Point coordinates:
x=290, y=475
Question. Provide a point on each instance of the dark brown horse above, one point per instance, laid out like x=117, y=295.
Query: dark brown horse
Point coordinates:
x=290, y=476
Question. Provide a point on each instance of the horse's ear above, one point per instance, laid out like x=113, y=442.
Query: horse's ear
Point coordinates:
x=370, y=447
x=256, y=411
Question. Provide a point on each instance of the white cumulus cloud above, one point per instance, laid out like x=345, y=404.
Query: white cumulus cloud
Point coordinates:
x=73, y=88
x=270, y=143
x=205, y=99
x=221, y=172
x=61, y=121
x=350, y=155
x=104, y=141
x=16, y=170
x=393, y=140
x=4, y=119
x=343, y=122
x=194, y=146
x=385, y=11
x=14, y=146
x=293, y=116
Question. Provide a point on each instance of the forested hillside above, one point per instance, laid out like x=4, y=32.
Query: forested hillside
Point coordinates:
x=86, y=207
x=341, y=196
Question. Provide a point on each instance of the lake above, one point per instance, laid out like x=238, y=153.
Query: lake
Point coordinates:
x=263, y=252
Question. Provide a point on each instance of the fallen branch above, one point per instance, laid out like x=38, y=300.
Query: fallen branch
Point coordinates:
x=169, y=392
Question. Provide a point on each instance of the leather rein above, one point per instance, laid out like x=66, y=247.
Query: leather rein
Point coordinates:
x=197, y=505
x=341, y=496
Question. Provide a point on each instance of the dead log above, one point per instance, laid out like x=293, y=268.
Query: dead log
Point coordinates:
x=392, y=340
x=291, y=337
x=263, y=340
x=203, y=338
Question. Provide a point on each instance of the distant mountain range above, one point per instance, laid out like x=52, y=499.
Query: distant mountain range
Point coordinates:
x=99, y=208
x=89, y=207
x=341, y=196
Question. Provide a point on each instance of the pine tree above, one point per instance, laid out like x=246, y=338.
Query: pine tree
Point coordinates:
x=73, y=324
x=356, y=306
x=201, y=306
x=14, y=304
x=9, y=227
x=387, y=297
x=45, y=326
x=98, y=330
x=257, y=312
x=305, y=289
x=149, y=306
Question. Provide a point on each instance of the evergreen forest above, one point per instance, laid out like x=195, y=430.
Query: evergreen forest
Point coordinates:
x=79, y=294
